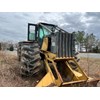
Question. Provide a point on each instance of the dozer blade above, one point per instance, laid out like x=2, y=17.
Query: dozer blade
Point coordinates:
x=65, y=72
x=82, y=83
x=74, y=84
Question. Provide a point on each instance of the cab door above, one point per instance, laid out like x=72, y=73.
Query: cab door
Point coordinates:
x=32, y=32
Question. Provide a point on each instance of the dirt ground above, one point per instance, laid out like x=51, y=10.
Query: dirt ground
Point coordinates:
x=10, y=70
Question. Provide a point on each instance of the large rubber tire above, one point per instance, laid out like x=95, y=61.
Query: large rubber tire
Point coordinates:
x=29, y=55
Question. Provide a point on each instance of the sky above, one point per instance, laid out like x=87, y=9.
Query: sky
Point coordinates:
x=13, y=25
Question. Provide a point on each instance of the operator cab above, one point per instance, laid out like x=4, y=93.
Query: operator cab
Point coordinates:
x=60, y=42
x=36, y=32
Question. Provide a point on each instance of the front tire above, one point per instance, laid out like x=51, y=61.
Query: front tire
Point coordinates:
x=29, y=55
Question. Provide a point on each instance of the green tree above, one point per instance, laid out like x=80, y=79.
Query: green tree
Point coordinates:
x=80, y=38
x=89, y=42
x=86, y=38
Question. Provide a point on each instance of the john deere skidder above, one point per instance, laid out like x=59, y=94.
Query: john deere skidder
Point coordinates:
x=50, y=52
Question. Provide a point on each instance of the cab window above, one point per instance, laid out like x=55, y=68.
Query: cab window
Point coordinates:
x=31, y=36
x=43, y=32
x=32, y=33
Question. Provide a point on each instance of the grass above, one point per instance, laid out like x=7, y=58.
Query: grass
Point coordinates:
x=10, y=70
x=91, y=66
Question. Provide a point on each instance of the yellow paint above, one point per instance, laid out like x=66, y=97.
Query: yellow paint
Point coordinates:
x=44, y=44
x=46, y=80
x=76, y=75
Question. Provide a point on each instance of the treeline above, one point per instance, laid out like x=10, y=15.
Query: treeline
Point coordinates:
x=87, y=42
x=8, y=46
